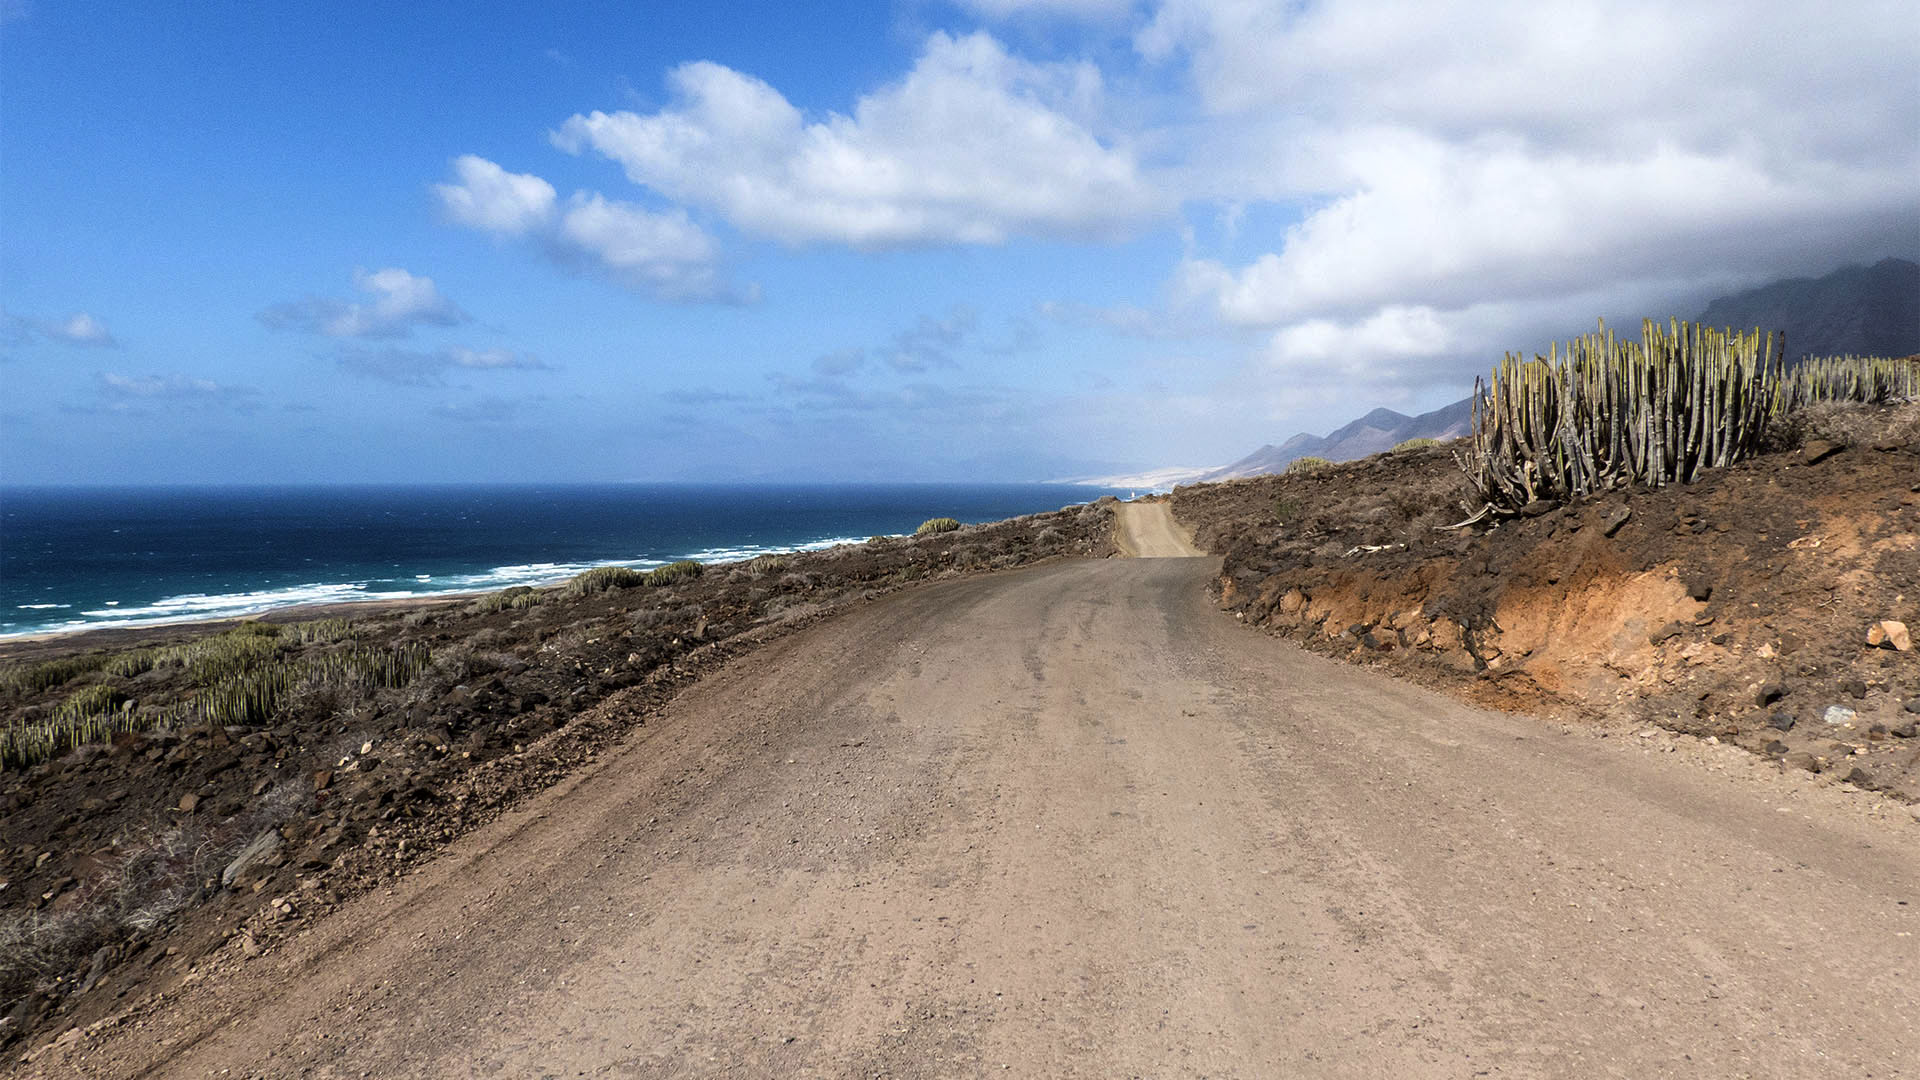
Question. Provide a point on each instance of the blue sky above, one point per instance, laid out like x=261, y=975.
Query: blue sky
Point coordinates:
x=987, y=240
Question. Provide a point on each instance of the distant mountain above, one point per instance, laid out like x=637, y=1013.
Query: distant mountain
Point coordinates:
x=1859, y=310
x=1381, y=429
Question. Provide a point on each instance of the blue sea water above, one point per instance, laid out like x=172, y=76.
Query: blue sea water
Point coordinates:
x=77, y=558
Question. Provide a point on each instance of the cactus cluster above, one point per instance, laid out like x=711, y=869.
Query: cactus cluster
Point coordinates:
x=1610, y=412
x=1875, y=380
x=241, y=685
x=604, y=579
x=675, y=572
x=1607, y=412
x=22, y=679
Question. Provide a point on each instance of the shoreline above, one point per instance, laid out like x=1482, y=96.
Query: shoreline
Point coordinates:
x=119, y=635
x=85, y=638
x=445, y=550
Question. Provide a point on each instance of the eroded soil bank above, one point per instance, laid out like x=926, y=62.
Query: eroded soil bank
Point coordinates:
x=1738, y=608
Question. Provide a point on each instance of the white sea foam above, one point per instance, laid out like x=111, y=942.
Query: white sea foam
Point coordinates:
x=194, y=607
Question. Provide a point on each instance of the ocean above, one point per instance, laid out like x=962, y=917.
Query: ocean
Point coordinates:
x=75, y=558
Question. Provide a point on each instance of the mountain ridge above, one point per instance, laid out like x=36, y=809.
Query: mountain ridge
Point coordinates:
x=1855, y=310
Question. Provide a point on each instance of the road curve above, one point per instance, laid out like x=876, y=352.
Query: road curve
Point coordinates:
x=1070, y=821
x=1147, y=530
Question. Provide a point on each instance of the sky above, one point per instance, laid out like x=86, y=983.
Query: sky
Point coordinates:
x=979, y=240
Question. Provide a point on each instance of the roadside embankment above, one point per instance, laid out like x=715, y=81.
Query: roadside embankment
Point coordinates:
x=1771, y=604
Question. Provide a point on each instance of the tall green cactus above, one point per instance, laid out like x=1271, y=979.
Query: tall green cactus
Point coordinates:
x=1874, y=380
x=1610, y=412
x=241, y=686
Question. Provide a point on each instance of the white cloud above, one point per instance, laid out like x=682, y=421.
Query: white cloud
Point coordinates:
x=972, y=146
x=662, y=253
x=399, y=301
x=490, y=198
x=1582, y=71
x=80, y=328
x=1433, y=222
x=1391, y=334
x=1463, y=162
x=665, y=253
x=137, y=393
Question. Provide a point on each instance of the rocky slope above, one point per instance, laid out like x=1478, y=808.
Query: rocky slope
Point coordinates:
x=1758, y=606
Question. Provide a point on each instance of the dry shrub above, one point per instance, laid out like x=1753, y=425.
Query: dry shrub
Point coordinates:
x=160, y=872
x=1848, y=424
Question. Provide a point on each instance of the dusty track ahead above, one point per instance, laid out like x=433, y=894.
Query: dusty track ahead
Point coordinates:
x=1070, y=821
x=1147, y=530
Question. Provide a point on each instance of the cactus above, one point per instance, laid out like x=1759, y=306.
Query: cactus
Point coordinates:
x=248, y=687
x=25, y=679
x=675, y=572
x=936, y=525
x=1302, y=466
x=1872, y=380
x=1607, y=413
x=604, y=579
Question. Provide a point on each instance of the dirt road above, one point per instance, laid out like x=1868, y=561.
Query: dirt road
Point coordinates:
x=1070, y=821
x=1147, y=530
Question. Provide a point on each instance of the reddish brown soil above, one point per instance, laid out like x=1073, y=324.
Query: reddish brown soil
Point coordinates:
x=111, y=857
x=1736, y=608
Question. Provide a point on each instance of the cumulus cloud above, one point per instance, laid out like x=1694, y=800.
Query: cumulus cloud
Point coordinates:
x=973, y=146
x=403, y=367
x=80, y=328
x=665, y=254
x=397, y=302
x=661, y=253
x=1499, y=157
x=1529, y=133
x=489, y=198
